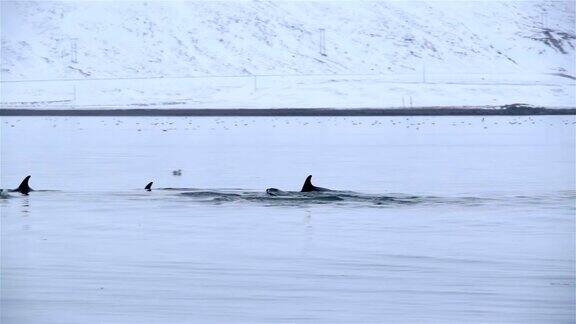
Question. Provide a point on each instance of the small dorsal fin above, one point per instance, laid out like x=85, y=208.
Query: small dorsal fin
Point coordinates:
x=24, y=188
x=149, y=186
x=307, y=185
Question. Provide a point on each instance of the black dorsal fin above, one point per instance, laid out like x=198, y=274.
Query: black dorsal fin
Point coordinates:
x=149, y=186
x=24, y=188
x=307, y=185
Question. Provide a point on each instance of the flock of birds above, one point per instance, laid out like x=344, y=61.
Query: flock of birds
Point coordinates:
x=225, y=123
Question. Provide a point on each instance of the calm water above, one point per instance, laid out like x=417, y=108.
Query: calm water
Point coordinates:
x=445, y=219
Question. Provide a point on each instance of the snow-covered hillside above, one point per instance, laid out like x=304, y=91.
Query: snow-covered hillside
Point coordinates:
x=287, y=54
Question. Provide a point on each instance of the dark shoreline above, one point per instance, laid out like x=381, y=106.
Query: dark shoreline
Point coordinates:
x=291, y=112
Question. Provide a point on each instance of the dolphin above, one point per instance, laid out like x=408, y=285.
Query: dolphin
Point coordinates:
x=309, y=187
x=148, y=187
x=23, y=188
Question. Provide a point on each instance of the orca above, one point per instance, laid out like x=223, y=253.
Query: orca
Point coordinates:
x=309, y=187
x=148, y=187
x=274, y=192
x=23, y=188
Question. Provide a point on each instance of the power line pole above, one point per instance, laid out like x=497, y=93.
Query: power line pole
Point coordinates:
x=75, y=97
x=323, y=42
x=424, y=73
x=73, y=50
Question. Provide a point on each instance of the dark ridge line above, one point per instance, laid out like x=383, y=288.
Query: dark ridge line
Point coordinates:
x=290, y=112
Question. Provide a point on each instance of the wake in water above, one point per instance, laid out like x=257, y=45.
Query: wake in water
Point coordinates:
x=275, y=197
x=293, y=198
x=4, y=194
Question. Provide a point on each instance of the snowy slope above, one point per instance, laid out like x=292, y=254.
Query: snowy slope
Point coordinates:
x=304, y=54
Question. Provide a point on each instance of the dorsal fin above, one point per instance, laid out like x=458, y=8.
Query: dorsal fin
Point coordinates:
x=307, y=185
x=24, y=188
x=149, y=186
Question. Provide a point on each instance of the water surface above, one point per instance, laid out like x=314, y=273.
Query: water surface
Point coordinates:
x=435, y=219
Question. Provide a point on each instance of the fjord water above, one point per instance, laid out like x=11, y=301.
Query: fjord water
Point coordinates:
x=444, y=219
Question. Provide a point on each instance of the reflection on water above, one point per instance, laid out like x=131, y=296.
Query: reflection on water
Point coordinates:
x=25, y=206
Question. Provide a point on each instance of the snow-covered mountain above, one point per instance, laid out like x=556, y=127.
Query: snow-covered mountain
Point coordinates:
x=287, y=54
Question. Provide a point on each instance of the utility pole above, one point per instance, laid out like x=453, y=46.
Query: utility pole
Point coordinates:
x=424, y=73
x=73, y=50
x=74, y=102
x=323, y=42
